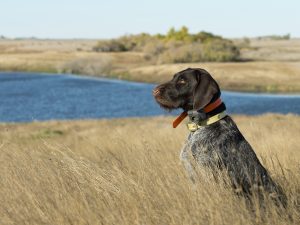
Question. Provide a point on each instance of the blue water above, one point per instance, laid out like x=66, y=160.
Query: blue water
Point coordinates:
x=28, y=97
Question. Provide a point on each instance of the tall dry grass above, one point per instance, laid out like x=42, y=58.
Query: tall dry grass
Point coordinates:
x=127, y=171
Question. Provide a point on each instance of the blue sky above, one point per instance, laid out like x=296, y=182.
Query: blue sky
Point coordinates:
x=112, y=18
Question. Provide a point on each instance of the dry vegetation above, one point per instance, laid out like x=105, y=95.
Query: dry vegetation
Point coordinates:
x=272, y=50
x=247, y=76
x=59, y=56
x=127, y=171
x=272, y=66
x=176, y=46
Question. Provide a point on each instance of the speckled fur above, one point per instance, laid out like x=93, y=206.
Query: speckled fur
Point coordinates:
x=221, y=146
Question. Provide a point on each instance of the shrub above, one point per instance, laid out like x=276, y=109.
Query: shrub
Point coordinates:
x=180, y=35
x=109, y=46
x=124, y=43
x=205, y=36
x=137, y=42
x=220, y=50
x=213, y=50
x=175, y=47
x=182, y=54
x=154, y=47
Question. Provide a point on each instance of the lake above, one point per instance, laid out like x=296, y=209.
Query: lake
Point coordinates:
x=28, y=97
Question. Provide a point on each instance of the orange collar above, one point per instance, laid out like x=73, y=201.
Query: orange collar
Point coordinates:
x=206, y=109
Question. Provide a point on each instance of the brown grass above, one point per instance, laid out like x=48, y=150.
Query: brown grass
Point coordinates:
x=127, y=171
x=56, y=62
x=247, y=76
x=273, y=50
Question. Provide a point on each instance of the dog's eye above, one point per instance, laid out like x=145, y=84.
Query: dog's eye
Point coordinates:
x=181, y=81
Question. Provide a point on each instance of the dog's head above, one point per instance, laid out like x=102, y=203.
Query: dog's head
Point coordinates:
x=190, y=89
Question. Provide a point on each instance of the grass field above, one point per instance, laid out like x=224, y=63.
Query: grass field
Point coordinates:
x=127, y=171
x=247, y=76
x=270, y=65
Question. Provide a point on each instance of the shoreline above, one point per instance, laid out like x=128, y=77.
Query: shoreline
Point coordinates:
x=263, y=89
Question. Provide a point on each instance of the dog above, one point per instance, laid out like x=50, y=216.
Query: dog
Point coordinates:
x=215, y=141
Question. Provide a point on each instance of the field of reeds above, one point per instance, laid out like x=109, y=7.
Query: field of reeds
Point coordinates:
x=127, y=171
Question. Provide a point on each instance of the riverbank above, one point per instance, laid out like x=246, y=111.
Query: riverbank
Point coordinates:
x=273, y=77
x=265, y=71
x=127, y=171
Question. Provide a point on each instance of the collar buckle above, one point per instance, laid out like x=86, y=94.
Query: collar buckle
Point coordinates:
x=192, y=126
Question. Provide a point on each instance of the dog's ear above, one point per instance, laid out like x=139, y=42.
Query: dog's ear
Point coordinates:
x=207, y=90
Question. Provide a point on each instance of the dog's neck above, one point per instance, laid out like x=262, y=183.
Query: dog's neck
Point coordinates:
x=197, y=116
x=212, y=109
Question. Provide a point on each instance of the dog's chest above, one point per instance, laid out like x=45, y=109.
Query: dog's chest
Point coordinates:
x=218, y=144
x=204, y=147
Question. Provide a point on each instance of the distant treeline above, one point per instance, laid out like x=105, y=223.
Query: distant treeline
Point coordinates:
x=177, y=46
x=275, y=37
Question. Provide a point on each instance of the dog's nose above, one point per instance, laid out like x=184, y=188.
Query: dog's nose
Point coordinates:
x=156, y=92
